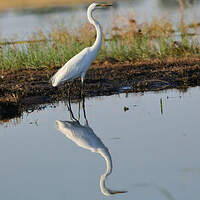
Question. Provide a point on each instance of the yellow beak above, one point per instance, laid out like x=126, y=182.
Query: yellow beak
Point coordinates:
x=119, y=192
x=104, y=4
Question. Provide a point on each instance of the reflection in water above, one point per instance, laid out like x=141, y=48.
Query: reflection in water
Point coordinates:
x=84, y=136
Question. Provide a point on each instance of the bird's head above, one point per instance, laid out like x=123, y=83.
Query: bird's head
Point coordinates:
x=105, y=190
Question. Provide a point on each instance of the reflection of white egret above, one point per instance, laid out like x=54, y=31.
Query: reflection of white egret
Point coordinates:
x=78, y=65
x=85, y=137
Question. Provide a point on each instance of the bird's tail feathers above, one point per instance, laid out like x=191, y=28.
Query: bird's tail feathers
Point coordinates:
x=53, y=81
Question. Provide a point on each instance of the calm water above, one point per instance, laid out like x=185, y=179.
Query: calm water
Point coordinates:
x=154, y=155
x=23, y=23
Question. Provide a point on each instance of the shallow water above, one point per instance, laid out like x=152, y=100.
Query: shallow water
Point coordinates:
x=21, y=24
x=154, y=155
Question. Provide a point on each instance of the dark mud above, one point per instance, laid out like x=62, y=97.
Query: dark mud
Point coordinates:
x=26, y=89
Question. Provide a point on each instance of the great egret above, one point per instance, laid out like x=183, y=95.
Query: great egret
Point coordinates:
x=78, y=65
x=85, y=137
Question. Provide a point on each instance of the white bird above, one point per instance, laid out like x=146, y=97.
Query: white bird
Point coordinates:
x=78, y=65
x=85, y=137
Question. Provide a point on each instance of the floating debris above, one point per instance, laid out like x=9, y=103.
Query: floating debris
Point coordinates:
x=125, y=88
x=126, y=108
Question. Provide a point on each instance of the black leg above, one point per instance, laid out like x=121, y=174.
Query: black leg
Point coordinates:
x=69, y=101
x=69, y=105
x=84, y=112
x=79, y=110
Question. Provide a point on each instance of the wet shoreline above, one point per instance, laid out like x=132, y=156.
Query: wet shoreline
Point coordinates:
x=28, y=89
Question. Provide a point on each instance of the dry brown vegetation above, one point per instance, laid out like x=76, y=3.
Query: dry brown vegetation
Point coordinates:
x=127, y=41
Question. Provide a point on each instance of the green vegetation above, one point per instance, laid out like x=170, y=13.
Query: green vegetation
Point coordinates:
x=130, y=42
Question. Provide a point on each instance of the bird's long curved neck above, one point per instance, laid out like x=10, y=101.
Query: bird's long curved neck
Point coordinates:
x=97, y=44
x=106, y=155
x=105, y=190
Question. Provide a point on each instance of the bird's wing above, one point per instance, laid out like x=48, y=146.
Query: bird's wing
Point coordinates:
x=81, y=135
x=73, y=68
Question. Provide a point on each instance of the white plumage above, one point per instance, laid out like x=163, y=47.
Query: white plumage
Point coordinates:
x=78, y=65
x=74, y=68
x=85, y=137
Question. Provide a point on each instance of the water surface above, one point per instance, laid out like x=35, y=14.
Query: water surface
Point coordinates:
x=154, y=155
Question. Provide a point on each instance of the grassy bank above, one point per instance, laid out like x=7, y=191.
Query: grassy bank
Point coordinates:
x=128, y=42
x=28, y=89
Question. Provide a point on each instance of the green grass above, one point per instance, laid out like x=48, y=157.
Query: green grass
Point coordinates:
x=129, y=43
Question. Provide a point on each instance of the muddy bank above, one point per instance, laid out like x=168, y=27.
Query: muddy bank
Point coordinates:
x=27, y=89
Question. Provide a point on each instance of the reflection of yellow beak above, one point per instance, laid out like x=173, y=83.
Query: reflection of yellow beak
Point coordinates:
x=119, y=192
x=104, y=4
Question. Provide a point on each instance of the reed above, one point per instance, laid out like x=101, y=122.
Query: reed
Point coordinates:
x=159, y=39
